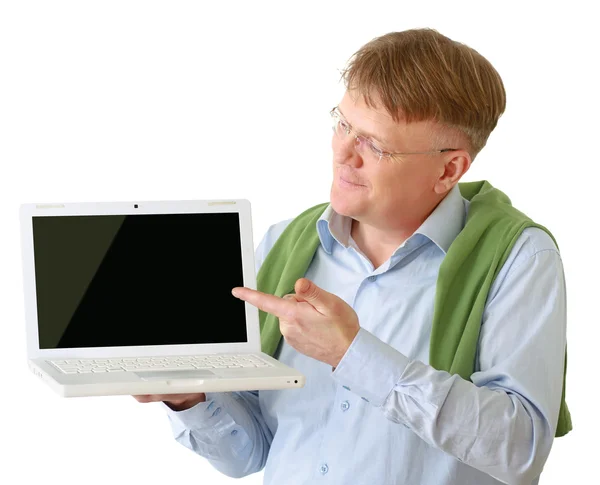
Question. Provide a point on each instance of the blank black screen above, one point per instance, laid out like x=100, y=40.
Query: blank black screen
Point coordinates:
x=161, y=279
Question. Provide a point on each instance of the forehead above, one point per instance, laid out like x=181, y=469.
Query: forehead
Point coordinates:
x=377, y=123
x=355, y=106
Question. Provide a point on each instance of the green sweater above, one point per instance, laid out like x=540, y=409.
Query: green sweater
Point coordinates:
x=466, y=274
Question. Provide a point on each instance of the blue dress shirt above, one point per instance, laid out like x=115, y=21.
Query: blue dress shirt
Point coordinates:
x=384, y=416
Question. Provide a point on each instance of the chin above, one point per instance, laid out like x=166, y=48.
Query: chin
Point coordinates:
x=345, y=204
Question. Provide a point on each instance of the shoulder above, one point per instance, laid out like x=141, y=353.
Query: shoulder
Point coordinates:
x=533, y=255
x=530, y=242
x=276, y=230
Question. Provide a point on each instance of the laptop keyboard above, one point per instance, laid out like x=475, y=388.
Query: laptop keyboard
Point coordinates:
x=190, y=362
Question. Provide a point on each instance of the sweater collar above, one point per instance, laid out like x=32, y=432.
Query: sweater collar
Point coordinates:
x=441, y=227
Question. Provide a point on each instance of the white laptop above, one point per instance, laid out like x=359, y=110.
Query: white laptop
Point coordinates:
x=135, y=298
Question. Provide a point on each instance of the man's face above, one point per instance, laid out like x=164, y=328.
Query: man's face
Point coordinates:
x=375, y=191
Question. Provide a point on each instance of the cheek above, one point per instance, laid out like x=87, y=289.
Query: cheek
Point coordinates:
x=388, y=180
x=396, y=185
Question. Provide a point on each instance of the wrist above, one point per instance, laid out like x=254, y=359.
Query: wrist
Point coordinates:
x=343, y=349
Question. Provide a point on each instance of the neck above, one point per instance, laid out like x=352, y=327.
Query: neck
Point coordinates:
x=378, y=242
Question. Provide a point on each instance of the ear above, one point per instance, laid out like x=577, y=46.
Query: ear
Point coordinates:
x=455, y=165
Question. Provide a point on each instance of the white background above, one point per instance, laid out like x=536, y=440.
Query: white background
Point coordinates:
x=131, y=100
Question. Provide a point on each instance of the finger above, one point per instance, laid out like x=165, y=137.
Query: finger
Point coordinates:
x=323, y=301
x=279, y=307
x=145, y=398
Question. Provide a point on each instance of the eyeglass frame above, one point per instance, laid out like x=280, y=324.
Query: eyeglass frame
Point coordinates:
x=337, y=113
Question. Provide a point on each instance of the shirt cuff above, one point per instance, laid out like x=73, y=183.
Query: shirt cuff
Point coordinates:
x=204, y=414
x=370, y=368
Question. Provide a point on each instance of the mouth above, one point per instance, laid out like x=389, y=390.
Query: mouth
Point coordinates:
x=348, y=183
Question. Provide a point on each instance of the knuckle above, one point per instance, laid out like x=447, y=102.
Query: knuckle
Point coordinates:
x=337, y=307
x=292, y=316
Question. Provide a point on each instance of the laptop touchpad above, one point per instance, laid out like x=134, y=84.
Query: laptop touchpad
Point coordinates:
x=176, y=374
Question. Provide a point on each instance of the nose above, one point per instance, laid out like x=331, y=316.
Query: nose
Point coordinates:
x=344, y=151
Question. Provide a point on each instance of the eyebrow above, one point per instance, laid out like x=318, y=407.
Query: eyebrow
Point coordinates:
x=381, y=141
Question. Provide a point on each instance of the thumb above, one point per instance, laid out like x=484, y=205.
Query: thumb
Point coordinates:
x=311, y=293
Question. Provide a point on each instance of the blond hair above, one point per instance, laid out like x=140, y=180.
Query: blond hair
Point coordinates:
x=421, y=75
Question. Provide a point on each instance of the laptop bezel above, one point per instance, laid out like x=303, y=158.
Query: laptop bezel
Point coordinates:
x=30, y=210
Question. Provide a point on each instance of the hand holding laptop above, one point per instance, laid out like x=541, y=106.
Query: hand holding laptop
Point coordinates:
x=177, y=402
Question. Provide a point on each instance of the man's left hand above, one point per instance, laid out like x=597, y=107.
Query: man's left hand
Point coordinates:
x=315, y=322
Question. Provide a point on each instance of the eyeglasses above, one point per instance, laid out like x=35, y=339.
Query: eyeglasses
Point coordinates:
x=363, y=145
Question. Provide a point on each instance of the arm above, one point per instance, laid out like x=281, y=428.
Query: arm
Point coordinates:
x=228, y=429
x=503, y=422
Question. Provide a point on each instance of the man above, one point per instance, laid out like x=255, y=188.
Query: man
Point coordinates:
x=375, y=410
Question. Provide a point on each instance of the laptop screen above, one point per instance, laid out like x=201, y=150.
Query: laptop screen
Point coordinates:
x=131, y=280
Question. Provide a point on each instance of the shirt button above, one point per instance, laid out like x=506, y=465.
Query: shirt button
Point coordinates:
x=372, y=278
x=234, y=432
x=364, y=399
x=217, y=411
x=346, y=387
x=345, y=406
x=324, y=469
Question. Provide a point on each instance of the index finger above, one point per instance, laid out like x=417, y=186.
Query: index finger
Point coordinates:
x=267, y=303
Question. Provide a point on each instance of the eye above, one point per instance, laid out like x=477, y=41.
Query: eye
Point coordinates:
x=375, y=150
x=343, y=125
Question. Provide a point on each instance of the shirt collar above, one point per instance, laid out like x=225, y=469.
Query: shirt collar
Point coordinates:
x=441, y=227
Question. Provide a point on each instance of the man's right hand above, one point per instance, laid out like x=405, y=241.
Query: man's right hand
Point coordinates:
x=177, y=402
